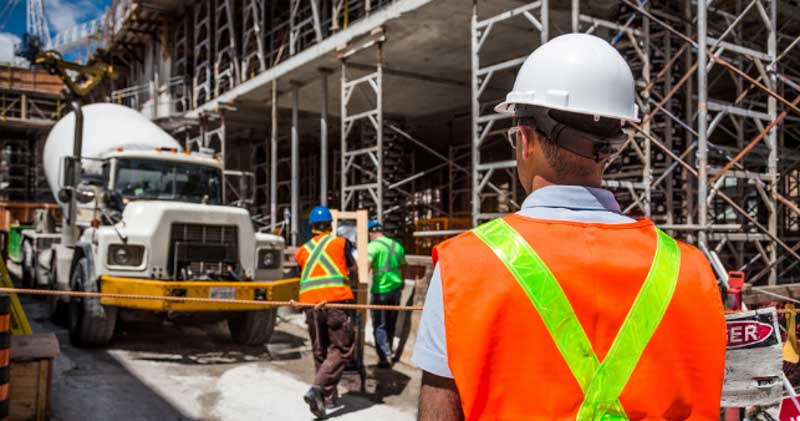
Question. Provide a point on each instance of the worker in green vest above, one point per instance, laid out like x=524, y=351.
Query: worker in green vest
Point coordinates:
x=386, y=257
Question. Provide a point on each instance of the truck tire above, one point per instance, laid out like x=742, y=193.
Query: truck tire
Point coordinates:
x=90, y=323
x=56, y=308
x=253, y=327
x=28, y=264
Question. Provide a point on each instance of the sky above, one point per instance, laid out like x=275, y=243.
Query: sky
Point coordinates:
x=60, y=14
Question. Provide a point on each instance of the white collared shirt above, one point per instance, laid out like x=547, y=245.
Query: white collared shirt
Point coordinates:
x=560, y=203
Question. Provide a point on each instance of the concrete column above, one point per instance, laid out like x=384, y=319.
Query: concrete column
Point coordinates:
x=295, y=164
x=772, y=141
x=576, y=10
x=273, y=160
x=702, y=122
x=323, y=140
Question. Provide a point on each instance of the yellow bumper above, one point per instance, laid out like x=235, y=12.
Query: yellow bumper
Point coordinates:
x=282, y=290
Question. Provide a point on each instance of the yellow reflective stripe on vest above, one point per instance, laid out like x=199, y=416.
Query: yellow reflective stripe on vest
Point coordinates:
x=601, y=383
x=332, y=276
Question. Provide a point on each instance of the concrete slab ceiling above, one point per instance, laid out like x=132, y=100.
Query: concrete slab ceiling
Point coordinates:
x=426, y=57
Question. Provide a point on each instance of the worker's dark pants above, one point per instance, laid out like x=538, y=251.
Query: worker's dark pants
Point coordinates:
x=383, y=322
x=333, y=345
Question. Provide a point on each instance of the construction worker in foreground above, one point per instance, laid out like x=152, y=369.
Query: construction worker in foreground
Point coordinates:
x=326, y=261
x=568, y=309
x=387, y=257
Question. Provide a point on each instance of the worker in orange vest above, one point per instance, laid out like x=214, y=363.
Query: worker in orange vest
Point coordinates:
x=568, y=309
x=326, y=261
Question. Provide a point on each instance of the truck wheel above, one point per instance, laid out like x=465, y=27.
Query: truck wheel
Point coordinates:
x=56, y=308
x=90, y=323
x=28, y=265
x=253, y=327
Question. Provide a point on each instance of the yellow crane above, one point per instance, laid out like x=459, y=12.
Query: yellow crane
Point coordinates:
x=90, y=74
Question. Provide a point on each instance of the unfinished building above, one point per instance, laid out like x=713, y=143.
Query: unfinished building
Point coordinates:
x=388, y=105
x=30, y=103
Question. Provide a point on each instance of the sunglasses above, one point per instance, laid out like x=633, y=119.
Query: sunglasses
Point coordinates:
x=511, y=135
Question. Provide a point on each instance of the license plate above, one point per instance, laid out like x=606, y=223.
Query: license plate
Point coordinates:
x=225, y=293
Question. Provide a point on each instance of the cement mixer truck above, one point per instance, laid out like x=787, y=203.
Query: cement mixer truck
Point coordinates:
x=143, y=216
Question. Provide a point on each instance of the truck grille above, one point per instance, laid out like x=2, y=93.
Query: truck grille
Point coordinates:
x=203, y=238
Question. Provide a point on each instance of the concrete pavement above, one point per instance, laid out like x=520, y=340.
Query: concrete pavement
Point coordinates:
x=173, y=371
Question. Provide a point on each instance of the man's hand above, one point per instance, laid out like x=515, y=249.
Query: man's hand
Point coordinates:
x=295, y=305
x=320, y=305
x=438, y=399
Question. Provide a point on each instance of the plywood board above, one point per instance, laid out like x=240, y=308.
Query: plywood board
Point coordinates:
x=754, y=359
x=29, y=390
x=34, y=347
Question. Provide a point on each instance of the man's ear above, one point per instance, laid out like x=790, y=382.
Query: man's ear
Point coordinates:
x=527, y=141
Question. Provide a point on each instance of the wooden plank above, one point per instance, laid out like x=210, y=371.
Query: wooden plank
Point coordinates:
x=754, y=359
x=754, y=298
x=31, y=80
x=34, y=347
x=30, y=390
x=43, y=389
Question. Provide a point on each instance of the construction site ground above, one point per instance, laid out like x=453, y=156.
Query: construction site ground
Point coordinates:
x=183, y=371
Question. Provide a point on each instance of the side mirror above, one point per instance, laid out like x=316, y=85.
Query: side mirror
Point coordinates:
x=84, y=193
x=113, y=200
x=64, y=195
x=247, y=187
x=68, y=172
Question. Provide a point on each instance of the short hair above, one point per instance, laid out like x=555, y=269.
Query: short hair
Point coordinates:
x=564, y=162
x=321, y=226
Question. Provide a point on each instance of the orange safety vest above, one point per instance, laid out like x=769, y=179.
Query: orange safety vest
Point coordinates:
x=507, y=365
x=324, y=275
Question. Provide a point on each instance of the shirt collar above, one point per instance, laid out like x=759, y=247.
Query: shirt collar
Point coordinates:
x=572, y=197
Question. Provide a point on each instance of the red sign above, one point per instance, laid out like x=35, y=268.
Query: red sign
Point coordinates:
x=789, y=409
x=747, y=332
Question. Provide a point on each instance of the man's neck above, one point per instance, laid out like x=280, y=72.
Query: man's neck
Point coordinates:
x=540, y=182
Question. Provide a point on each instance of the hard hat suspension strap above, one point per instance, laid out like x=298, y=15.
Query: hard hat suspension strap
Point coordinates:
x=601, y=383
x=596, y=147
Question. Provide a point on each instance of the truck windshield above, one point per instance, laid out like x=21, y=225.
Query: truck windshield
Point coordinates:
x=147, y=179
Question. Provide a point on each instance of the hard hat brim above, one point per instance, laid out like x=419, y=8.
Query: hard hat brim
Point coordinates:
x=509, y=107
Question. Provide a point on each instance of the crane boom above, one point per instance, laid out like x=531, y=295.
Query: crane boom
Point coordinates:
x=37, y=22
x=92, y=73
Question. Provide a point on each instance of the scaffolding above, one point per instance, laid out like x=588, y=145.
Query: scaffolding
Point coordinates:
x=362, y=163
x=489, y=170
x=704, y=163
x=714, y=160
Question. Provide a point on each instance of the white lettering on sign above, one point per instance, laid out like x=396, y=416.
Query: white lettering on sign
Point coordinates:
x=735, y=334
x=750, y=333
x=745, y=332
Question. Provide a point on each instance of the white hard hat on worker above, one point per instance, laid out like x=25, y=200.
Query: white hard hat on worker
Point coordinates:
x=580, y=92
x=579, y=73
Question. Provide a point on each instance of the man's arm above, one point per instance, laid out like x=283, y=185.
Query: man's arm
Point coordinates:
x=438, y=399
x=349, y=256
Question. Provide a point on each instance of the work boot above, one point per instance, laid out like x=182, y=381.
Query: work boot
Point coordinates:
x=315, y=403
x=384, y=364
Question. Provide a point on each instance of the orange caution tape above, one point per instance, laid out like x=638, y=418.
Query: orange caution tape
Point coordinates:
x=295, y=304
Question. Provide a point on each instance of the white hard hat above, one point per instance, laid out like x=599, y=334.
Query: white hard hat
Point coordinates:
x=578, y=73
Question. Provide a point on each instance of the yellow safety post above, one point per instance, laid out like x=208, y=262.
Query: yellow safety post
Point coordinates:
x=19, y=322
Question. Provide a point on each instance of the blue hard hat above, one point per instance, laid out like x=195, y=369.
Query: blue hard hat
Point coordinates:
x=373, y=224
x=320, y=214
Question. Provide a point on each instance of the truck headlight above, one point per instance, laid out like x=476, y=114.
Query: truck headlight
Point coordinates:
x=269, y=259
x=125, y=255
